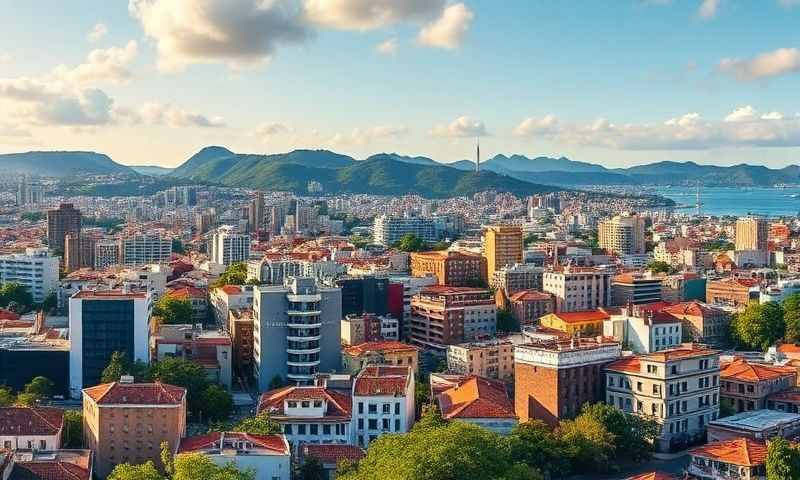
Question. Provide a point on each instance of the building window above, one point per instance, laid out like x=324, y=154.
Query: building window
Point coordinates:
x=372, y=408
x=373, y=424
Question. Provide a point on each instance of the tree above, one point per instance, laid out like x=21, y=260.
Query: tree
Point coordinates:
x=659, y=267
x=410, y=243
x=72, y=433
x=28, y=399
x=506, y=321
x=15, y=294
x=41, y=386
x=50, y=302
x=173, y=310
x=144, y=471
x=193, y=466
x=791, y=318
x=783, y=460
x=422, y=393
x=235, y=274
x=759, y=326
x=312, y=469
x=217, y=403
x=633, y=435
x=534, y=443
x=177, y=246
x=116, y=368
x=276, y=382
x=589, y=445
x=7, y=397
x=183, y=373
x=258, y=425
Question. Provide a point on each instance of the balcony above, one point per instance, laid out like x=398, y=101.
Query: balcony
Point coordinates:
x=301, y=351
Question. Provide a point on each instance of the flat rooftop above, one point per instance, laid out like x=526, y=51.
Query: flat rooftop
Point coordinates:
x=756, y=420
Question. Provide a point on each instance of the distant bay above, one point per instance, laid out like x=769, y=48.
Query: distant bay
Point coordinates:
x=736, y=201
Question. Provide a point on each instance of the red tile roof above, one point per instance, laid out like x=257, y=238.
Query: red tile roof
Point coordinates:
x=694, y=309
x=654, y=476
x=744, y=371
x=231, y=289
x=16, y=421
x=739, y=451
x=136, y=394
x=627, y=364
x=53, y=470
x=187, y=292
x=339, y=404
x=447, y=290
x=585, y=316
x=476, y=397
x=215, y=441
x=530, y=296
x=330, y=454
x=382, y=380
x=383, y=347
x=8, y=315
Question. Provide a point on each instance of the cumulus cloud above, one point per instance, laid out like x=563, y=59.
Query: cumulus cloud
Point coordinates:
x=462, y=127
x=236, y=32
x=388, y=47
x=164, y=114
x=99, y=31
x=88, y=107
x=744, y=126
x=269, y=129
x=449, y=29
x=109, y=64
x=364, y=136
x=708, y=8
x=370, y=14
x=769, y=64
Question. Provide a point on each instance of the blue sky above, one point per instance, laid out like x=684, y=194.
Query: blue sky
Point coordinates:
x=618, y=83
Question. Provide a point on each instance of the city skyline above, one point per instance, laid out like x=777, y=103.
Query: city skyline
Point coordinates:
x=153, y=81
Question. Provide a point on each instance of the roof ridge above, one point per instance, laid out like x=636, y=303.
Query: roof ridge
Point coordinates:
x=45, y=420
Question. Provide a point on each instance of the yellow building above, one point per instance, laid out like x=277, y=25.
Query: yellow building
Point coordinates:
x=502, y=246
x=589, y=322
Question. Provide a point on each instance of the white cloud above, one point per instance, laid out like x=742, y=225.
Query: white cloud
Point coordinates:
x=708, y=8
x=85, y=108
x=165, y=114
x=99, y=31
x=109, y=64
x=743, y=127
x=447, y=31
x=364, y=136
x=370, y=14
x=388, y=47
x=769, y=64
x=269, y=129
x=462, y=127
x=236, y=32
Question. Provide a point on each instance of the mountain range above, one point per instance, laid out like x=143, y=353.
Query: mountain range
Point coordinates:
x=61, y=164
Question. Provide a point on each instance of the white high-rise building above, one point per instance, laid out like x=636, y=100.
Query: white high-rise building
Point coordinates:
x=106, y=254
x=145, y=249
x=228, y=246
x=35, y=270
x=387, y=230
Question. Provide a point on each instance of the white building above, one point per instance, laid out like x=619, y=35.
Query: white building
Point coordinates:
x=578, y=288
x=146, y=248
x=389, y=229
x=269, y=456
x=230, y=297
x=106, y=254
x=152, y=278
x=228, y=246
x=383, y=402
x=644, y=331
x=780, y=292
x=35, y=270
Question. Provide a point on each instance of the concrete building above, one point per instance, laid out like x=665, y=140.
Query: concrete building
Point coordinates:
x=387, y=230
x=502, y=246
x=516, y=278
x=679, y=388
x=72, y=252
x=60, y=222
x=230, y=297
x=383, y=402
x=643, y=330
x=257, y=212
x=731, y=293
x=126, y=422
x=35, y=270
x=454, y=269
x=635, y=288
x=587, y=323
x=367, y=294
x=197, y=298
x=442, y=316
x=143, y=249
x=492, y=359
x=358, y=329
x=411, y=287
x=622, y=235
x=268, y=456
x=296, y=331
x=106, y=254
x=481, y=402
x=578, y=288
x=32, y=428
x=356, y=357
x=746, y=386
x=554, y=378
x=101, y=323
x=240, y=329
x=756, y=425
x=752, y=233
x=228, y=246
x=273, y=272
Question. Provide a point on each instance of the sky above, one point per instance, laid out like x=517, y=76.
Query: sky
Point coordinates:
x=621, y=83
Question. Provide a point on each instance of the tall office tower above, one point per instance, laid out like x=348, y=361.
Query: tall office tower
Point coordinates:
x=35, y=193
x=205, y=221
x=751, y=233
x=296, y=331
x=622, y=235
x=502, y=246
x=72, y=252
x=106, y=254
x=103, y=322
x=256, y=219
x=188, y=196
x=388, y=230
x=276, y=218
x=35, y=270
x=66, y=219
x=145, y=248
x=228, y=246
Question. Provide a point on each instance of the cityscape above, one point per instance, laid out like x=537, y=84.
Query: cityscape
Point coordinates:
x=272, y=292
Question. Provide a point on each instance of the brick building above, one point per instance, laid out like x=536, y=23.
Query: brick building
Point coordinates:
x=240, y=328
x=527, y=306
x=443, y=316
x=356, y=357
x=454, y=269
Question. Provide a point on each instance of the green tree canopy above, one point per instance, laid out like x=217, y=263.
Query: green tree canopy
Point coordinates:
x=791, y=318
x=120, y=365
x=590, y=446
x=15, y=294
x=657, y=266
x=506, y=321
x=783, y=460
x=633, y=435
x=258, y=425
x=312, y=469
x=41, y=386
x=7, y=397
x=173, y=310
x=194, y=466
x=759, y=326
x=72, y=433
x=183, y=373
x=217, y=403
x=534, y=443
x=144, y=471
x=235, y=274
x=410, y=243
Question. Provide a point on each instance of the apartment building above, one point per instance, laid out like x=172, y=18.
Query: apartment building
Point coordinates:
x=622, y=235
x=502, y=246
x=586, y=323
x=383, y=402
x=578, y=288
x=739, y=458
x=527, y=306
x=442, y=316
x=64, y=220
x=32, y=428
x=454, y=269
x=492, y=359
x=752, y=233
x=143, y=249
x=679, y=388
x=387, y=230
x=635, y=288
x=644, y=330
x=229, y=246
x=479, y=401
x=746, y=386
x=268, y=456
x=240, y=329
x=106, y=254
x=731, y=293
x=35, y=270
x=126, y=422
x=229, y=297
x=516, y=278
x=356, y=357
x=211, y=349
x=702, y=322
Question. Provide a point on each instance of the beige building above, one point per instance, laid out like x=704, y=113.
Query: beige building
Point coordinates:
x=622, y=235
x=679, y=388
x=578, y=288
x=502, y=246
x=125, y=422
x=490, y=359
x=751, y=233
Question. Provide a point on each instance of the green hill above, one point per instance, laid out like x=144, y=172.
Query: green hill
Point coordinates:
x=61, y=164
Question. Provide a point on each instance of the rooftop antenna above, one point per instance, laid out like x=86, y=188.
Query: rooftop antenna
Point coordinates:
x=478, y=156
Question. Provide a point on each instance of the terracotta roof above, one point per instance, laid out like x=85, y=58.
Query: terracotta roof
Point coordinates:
x=446, y=290
x=43, y=470
x=136, y=393
x=679, y=353
x=339, y=403
x=585, y=316
x=213, y=441
x=331, y=453
x=476, y=397
x=739, y=451
x=8, y=315
x=744, y=371
x=654, y=476
x=789, y=349
x=383, y=347
x=16, y=421
x=231, y=289
x=627, y=364
x=695, y=309
x=199, y=442
x=381, y=380
x=530, y=296
x=187, y=292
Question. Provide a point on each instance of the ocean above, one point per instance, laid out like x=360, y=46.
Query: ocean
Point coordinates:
x=736, y=201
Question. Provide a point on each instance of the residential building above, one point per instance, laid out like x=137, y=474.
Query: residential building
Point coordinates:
x=746, y=386
x=296, y=331
x=356, y=357
x=106, y=254
x=785, y=401
x=635, y=288
x=454, y=269
x=731, y=293
x=702, y=322
x=357, y=329
x=779, y=292
x=35, y=270
x=210, y=349
x=388, y=230
x=585, y=323
x=143, y=249
x=756, y=425
x=411, y=286
x=644, y=330
x=268, y=456
x=31, y=428
x=578, y=288
x=103, y=322
x=481, y=402
x=329, y=455
x=442, y=316
x=516, y=278
x=492, y=359
x=60, y=222
x=364, y=295
x=622, y=235
x=197, y=298
x=228, y=246
x=739, y=458
x=502, y=246
x=35, y=464
x=383, y=402
x=527, y=306
x=126, y=422
x=229, y=297
x=269, y=271
x=257, y=212
x=240, y=329
x=752, y=233
x=72, y=252
x=678, y=388
x=554, y=378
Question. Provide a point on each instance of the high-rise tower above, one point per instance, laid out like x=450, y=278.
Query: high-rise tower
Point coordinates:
x=478, y=157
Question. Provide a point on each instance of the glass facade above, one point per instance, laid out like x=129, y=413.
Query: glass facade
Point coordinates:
x=107, y=327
